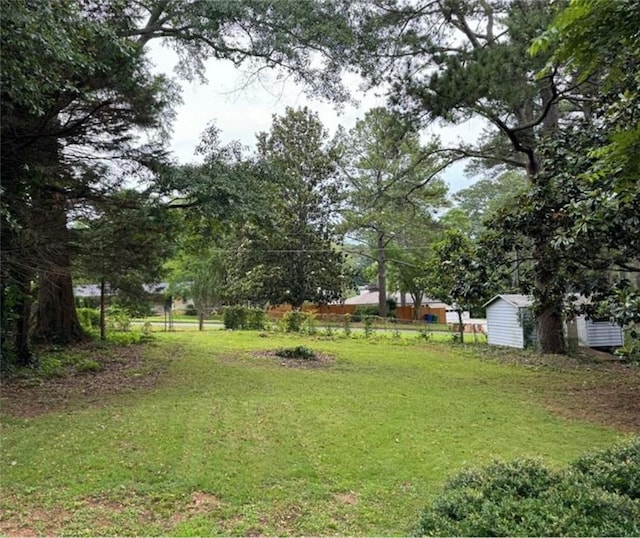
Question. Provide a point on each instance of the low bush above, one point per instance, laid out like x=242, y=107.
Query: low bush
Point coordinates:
x=256, y=319
x=616, y=470
x=346, y=324
x=297, y=321
x=242, y=317
x=118, y=319
x=234, y=317
x=190, y=310
x=369, y=329
x=89, y=318
x=366, y=310
x=298, y=352
x=595, y=496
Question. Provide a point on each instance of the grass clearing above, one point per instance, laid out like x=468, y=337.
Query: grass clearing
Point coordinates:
x=231, y=441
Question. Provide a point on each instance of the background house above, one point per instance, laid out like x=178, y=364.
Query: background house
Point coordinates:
x=429, y=306
x=89, y=295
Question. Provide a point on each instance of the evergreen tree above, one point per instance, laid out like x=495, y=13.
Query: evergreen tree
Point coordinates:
x=392, y=186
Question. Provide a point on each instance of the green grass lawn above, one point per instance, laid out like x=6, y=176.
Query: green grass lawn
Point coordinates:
x=230, y=442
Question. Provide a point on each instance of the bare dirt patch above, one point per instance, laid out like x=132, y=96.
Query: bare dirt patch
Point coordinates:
x=602, y=389
x=121, y=369
x=31, y=521
x=612, y=399
x=349, y=498
x=202, y=502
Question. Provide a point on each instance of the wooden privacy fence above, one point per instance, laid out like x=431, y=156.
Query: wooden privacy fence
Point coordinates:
x=471, y=328
x=404, y=313
x=438, y=315
x=322, y=310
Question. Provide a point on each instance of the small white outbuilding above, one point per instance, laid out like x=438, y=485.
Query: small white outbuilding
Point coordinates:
x=598, y=332
x=510, y=321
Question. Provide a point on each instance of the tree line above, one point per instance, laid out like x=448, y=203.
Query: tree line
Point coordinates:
x=88, y=188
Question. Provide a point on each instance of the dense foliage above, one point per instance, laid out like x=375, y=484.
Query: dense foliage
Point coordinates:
x=470, y=59
x=289, y=254
x=242, y=317
x=597, y=495
x=82, y=114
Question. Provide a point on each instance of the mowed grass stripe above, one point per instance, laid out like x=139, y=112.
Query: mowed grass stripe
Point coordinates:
x=357, y=447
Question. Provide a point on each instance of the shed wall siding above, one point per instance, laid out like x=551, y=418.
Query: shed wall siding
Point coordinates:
x=503, y=325
x=599, y=333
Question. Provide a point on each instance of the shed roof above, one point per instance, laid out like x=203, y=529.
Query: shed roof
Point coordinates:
x=514, y=299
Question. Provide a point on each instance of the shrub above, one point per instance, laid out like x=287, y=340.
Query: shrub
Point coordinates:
x=234, y=317
x=328, y=328
x=190, y=310
x=242, y=317
x=595, y=496
x=129, y=338
x=366, y=310
x=424, y=334
x=292, y=321
x=309, y=323
x=346, y=324
x=396, y=333
x=146, y=331
x=616, y=470
x=298, y=352
x=89, y=317
x=256, y=319
x=630, y=351
x=118, y=319
x=368, y=326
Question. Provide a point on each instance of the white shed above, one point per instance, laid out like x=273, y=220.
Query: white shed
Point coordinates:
x=598, y=333
x=509, y=321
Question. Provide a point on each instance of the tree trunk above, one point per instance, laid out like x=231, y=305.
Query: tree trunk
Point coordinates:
x=21, y=317
x=460, y=325
x=417, y=305
x=549, y=331
x=57, y=320
x=549, y=302
x=383, y=308
x=103, y=329
x=548, y=291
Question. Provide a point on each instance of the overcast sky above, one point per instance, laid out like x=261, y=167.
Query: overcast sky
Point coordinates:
x=241, y=111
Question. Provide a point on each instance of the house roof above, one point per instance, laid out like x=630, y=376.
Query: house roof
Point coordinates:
x=514, y=299
x=372, y=298
x=87, y=290
x=93, y=290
